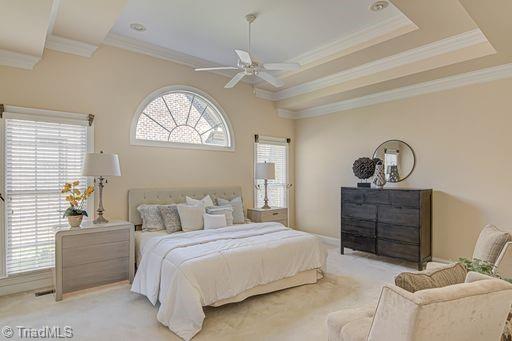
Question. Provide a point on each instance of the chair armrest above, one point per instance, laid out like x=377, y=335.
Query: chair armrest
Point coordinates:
x=338, y=319
x=503, y=266
x=473, y=276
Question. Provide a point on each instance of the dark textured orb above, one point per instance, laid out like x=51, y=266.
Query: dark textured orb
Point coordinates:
x=364, y=168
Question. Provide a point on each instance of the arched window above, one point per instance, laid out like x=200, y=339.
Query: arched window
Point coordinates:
x=181, y=117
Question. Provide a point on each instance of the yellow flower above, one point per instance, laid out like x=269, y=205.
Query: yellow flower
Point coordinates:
x=76, y=183
x=77, y=192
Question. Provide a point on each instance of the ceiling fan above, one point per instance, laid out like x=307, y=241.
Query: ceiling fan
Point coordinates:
x=248, y=67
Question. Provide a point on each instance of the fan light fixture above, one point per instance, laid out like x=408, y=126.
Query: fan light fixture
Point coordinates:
x=137, y=27
x=247, y=66
x=379, y=6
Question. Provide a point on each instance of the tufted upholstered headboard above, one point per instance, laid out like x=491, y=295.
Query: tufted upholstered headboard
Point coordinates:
x=140, y=196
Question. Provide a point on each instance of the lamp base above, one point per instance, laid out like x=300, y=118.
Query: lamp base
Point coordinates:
x=265, y=207
x=100, y=220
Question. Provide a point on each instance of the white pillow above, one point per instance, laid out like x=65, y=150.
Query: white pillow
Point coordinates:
x=214, y=221
x=205, y=202
x=238, y=209
x=223, y=210
x=191, y=217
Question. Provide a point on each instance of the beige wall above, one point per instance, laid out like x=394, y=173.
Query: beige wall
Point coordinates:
x=112, y=84
x=462, y=139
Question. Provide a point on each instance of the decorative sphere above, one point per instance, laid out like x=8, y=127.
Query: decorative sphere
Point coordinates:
x=364, y=168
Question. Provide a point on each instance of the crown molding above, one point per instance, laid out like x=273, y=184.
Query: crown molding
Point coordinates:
x=424, y=52
x=447, y=83
x=357, y=38
x=138, y=46
x=18, y=60
x=66, y=45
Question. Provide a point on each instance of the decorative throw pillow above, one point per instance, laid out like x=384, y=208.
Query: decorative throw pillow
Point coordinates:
x=206, y=201
x=191, y=217
x=490, y=243
x=226, y=210
x=214, y=221
x=238, y=208
x=429, y=279
x=151, y=218
x=171, y=218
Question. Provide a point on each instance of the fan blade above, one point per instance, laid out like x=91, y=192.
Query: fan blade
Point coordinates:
x=234, y=81
x=216, y=68
x=282, y=66
x=271, y=79
x=244, y=57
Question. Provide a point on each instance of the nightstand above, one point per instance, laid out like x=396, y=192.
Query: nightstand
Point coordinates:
x=261, y=215
x=93, y=255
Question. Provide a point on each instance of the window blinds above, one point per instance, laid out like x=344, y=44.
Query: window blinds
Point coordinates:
x=39, y=158
x=276, y=151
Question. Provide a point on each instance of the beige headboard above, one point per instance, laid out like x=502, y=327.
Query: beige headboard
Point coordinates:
x=137, y=197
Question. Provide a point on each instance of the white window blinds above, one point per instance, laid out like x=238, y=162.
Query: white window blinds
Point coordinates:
x=39, y=158
x=273, y=150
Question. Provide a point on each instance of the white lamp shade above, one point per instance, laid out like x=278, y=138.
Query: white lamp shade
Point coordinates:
x=100, y=164
x=265, y=170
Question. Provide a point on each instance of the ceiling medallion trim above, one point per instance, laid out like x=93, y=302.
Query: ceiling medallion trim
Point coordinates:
x=447, y=83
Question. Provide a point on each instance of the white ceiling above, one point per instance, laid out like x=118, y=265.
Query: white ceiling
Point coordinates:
x=284, y=29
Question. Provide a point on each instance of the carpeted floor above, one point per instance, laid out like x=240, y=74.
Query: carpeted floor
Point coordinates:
x=114, y=313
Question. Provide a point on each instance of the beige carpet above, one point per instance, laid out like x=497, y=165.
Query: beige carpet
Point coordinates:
x=114, y=313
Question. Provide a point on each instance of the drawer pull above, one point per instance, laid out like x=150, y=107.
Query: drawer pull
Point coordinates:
x=275, y=213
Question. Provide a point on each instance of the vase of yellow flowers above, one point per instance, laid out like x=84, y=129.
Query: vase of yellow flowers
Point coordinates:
x=76, y=212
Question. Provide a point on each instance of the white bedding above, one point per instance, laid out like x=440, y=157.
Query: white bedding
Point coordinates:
x=187, y=271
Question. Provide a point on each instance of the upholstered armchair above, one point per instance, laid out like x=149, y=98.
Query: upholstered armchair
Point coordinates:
x=472, y=311
x=493, y=246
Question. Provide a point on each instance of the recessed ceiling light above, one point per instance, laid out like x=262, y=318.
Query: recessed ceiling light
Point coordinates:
x=379, y=6
x=137, y=27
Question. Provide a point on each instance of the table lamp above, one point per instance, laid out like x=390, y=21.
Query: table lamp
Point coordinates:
x=265, y=171
x=100, y=165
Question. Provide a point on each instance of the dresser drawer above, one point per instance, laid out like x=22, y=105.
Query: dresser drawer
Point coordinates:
x=405, y=198
x=358, y=227
x=272, y=215
x=94, y=274
x=355, y=196
x=398, y=250
x=377, y=196
x=358, y=242
x=360, y=211
x=94, y=253
x=79, y=240
x=399, y=215
x=397, y=232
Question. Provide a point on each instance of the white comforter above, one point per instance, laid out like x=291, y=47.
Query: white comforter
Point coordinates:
x=187, y=271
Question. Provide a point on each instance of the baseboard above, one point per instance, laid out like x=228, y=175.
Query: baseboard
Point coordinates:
x=440, y=260
x=35, y=280
x=327, y=239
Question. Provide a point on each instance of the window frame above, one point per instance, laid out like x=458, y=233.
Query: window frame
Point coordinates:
x=168, y=144
x=281, y=141
x=31, y=114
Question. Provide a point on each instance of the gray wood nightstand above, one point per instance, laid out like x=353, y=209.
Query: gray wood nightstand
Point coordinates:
x=93, y=255
x=260, y=215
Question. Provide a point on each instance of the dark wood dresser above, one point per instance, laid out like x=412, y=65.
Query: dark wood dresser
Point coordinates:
x=388, y=222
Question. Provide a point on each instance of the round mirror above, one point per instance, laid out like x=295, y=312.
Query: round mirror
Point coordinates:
x=398, y=158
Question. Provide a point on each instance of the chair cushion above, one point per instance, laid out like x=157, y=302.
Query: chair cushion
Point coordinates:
x=339, y=319
x=490, y=243
x=429, y=279
x=356, y=330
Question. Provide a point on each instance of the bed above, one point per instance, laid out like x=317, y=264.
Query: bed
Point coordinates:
x=186, y=271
